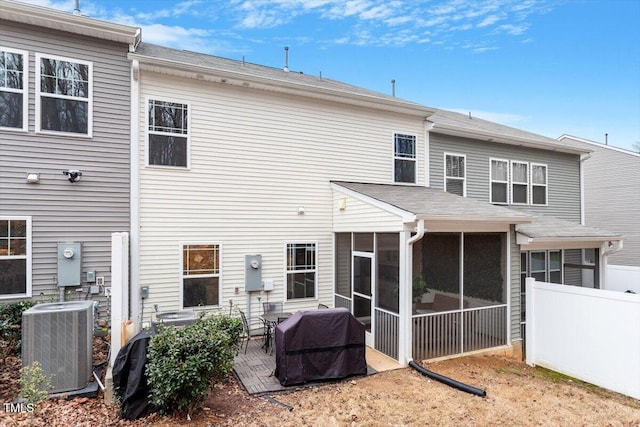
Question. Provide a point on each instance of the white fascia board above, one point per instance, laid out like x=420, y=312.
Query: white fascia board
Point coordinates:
x=503, y=139
x=404, y=215
x=463, y=219
x=531, y=243
x=221, y=76
x=597, y=144
x=63, y=21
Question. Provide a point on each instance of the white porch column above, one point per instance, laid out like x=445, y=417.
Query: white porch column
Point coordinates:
x=404, y=326
x=119, y=289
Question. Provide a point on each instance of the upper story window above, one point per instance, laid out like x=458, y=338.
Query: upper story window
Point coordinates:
x=455, y=173
x=538, y=184
x=499, y=181
x=168, y=133
x=301, y=270
x=519, y=183
x=64, y=95
x=200, y=275
x=13, y=89
x=404, y=158
x=15, y=257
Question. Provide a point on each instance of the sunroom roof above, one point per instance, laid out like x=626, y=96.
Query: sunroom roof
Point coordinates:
x=418, y=203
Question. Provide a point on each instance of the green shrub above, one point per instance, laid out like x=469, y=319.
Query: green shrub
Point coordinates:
x=182, y=364
x=34, y=384
x=10, y=325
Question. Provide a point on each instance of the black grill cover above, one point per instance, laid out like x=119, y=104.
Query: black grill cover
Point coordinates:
x=319, y=345
x=129, y=378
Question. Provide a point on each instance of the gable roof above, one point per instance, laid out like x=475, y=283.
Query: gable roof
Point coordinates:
x=71, y=23
x=241, y=73
x=456, y=124
x=593, y=145
x=430, y=204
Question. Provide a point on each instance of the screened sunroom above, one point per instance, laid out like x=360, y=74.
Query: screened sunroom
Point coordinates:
x=426, y=271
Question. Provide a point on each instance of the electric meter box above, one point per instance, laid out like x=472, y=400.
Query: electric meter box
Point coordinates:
x=69, y=264
x=253, y=273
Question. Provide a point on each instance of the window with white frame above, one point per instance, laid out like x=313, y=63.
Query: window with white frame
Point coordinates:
x=404, y=158
x=301, y=270
x=544, y=266
x=455, y=173
x=64, y=95
x=538, y=184
x=200, y=275
x=168, y=133
x=519, y=183
x=15, y=257
x=13, y=89
x=499, y=181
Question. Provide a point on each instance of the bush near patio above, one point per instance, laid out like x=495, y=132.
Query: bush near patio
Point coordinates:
x=184, y=364
x=11, y=327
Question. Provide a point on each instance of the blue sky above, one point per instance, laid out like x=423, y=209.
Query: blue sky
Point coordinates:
x=549, y=67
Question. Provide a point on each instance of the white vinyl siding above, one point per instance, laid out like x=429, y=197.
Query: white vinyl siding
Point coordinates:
x=14, y=89
x=538, y=184
x=499, y=185
x=301, y=270
x=455, y=174
x=248, y=200
x=64, y=95
x=15, y=257
x=519, y=183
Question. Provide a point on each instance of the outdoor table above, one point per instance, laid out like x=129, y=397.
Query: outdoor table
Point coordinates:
x=272, y=319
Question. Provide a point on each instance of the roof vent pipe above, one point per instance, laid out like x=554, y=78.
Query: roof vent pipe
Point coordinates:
x=76, y=11
x=393, y=88
x=606, y=139
x=286, y=59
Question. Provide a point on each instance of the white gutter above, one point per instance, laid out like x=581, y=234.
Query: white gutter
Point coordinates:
x=607, y=248
x=134, y=188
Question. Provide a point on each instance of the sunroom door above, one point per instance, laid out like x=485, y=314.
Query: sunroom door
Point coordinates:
x=363, y=283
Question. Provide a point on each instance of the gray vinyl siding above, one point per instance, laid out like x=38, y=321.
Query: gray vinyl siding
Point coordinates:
x=563, y=190
x=612, y=198
x=88, y=211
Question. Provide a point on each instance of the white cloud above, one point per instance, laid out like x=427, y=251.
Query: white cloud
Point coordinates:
x=489, y=20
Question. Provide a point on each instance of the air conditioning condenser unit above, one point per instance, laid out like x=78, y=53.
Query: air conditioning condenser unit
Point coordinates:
x=59, y=336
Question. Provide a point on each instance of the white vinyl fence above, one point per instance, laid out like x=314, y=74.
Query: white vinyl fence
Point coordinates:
x=623, y=278
x=589, y=334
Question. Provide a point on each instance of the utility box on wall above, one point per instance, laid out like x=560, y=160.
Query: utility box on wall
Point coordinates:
x=69, y=264
x=253, y=273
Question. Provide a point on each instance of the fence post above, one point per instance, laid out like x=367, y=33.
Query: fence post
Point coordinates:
x=119, y=289
x=531, y=315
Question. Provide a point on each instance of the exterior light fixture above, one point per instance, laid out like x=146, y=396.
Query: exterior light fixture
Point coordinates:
x=33, y=178
x=74, y=176
x=300, y=210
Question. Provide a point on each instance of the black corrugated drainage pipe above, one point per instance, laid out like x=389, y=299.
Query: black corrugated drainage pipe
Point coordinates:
x=448, y=381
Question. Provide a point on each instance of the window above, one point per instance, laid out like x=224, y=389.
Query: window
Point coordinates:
x=301, y=270
x=13, y=89
x=200, y=275
x=168, y=131
x=64, y=101
x=499, y=181
x=15, y=257
x=455, y=173
x=404, y=158
x=544, y=266
x=519, y=183
x=538, y=184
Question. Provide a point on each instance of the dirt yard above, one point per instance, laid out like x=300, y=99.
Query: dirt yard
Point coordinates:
x=516, y=395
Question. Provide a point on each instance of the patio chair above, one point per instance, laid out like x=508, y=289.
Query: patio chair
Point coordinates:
x=322, y=306
x=245, y=330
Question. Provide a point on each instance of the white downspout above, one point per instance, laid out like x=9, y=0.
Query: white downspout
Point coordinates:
x=583, y=158
x=607, y=249
x=134, y=187
x=405, y=344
